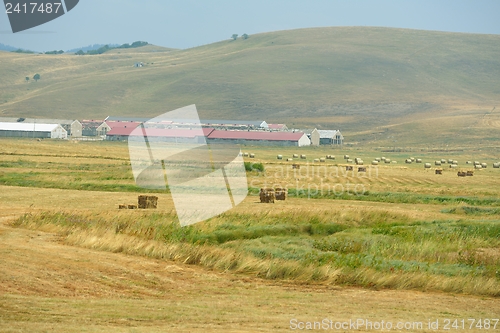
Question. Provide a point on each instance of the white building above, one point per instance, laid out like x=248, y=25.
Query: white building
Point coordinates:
x=33, y=130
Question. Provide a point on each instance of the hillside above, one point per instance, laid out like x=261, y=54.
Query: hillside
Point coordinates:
x=379, y=85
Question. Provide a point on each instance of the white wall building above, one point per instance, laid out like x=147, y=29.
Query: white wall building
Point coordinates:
x=33, y=130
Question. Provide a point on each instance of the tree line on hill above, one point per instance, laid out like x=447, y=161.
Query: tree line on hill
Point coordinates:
x=106, y=48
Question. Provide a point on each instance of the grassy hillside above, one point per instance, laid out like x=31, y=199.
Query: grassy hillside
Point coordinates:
x=378, y=85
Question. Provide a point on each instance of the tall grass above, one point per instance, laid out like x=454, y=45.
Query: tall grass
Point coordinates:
x=364, y=248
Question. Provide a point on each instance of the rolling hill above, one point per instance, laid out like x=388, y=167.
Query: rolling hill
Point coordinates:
x=379, y=85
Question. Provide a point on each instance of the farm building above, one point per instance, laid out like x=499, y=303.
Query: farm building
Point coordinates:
x=119, y=133
x=94, y=128
x=210, y=123
x=72, y=127
x=260, y=138
x=277, y=127
x=172, y=135
x=33, y=130
x=326, y=137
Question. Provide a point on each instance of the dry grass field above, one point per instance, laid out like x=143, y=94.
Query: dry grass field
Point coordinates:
x=398, y=244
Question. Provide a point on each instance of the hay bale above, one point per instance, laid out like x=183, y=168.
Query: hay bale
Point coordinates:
x=295, y=166
x=245, y=154
x=443, y=161
x=437, y=163
x=132, y=206
x=478, y=166
x=359, y=162
x=477, y=163
x=427, y=165
x=453, y=166
x=349, y=160
x=455, y=162
x=412, y=159
x=349, y=168
x=316, y=160
x=484, y=165
x=279, y=157
x=289, y=159
x=362, y=169
x=387, y=160
x=383, y=158
x=408, y=161
x=346, y=157
x=147, y=202
x=439, y=171
x=122, y=206
x=322, y=160
x=280, y=193
x=303, y=157
x=375, y=162
x=295, y=155
x=267, y=195
x=450, y=161
x=418, y=160
x=462, y=174
x=394, y=162
x=330, y=157
x=252, y=155
x=496, y=165
x=378, y=159
x=468, y=162
x=470, y=173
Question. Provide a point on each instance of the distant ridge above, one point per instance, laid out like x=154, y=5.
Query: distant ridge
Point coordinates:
x=8, y=48
x=91, y=47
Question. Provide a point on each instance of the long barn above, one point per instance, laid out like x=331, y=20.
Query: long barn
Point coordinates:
x=34, y=130
x=298, y=139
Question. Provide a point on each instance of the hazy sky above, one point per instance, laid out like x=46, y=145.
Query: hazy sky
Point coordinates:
x=189, y=23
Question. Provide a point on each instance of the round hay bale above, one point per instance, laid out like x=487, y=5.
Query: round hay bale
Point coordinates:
x=443, y=161
x=437, y=163
x=374, y=162
x=359, y=162
x=346, y=157
x=252, y=155
x=383, y=158
x=477, y=163
x=408, y=161
x=279, y=157
x=468, y=162
x=349, y=160
x=478, y=166
x=418, y=160
x=387, y=160
x=245, y=154
x=303, y=157
x=450, y=161
x=289, y=159
x=295, y=156
x=394, y=162
x=496, y=165
x=427, y=165
x=484, y=165
x=412, y=159
x=453, y=166
x=455, y=162
x=378, y=159
x=322, y=160
x=316, y=160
